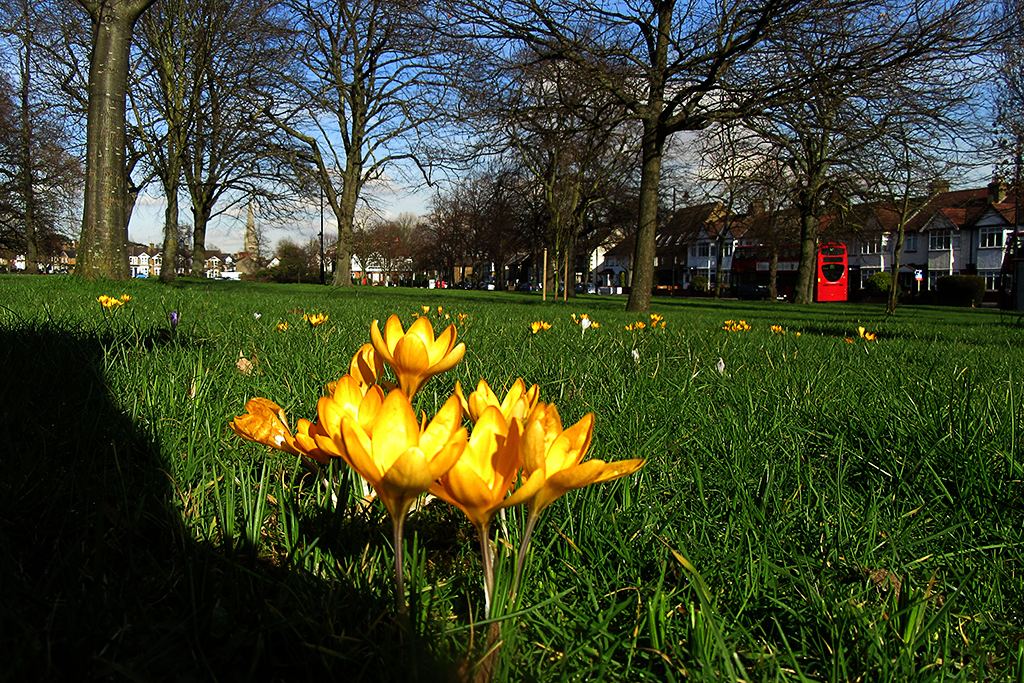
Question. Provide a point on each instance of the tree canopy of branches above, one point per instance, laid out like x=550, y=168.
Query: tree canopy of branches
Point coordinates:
x=886, y=66
x=1010, y=86
x=573, y=142
x=672, y=66
x=231, y=147
x=367, y=91
x=39, y=177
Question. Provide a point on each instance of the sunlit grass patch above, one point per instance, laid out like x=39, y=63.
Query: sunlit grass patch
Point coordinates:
x=817, y=509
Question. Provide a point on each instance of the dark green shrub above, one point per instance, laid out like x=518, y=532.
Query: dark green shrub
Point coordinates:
x=960, y=290
x=879, y=284
x=699, y=283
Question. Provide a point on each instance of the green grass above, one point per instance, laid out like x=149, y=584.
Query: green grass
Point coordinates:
x=781, y=504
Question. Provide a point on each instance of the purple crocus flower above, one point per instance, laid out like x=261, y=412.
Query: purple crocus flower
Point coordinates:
x=174, y=320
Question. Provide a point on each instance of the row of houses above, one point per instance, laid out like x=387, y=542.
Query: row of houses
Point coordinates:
x=143, y=261
x=148, y=261
x=951, y=233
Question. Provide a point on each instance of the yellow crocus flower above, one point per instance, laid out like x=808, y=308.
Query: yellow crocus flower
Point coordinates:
x=553, y=459
x=416, y=355
x=479, y=481
x=396, y=456
x=518, y=402
x=317, y=319
x=265, y=423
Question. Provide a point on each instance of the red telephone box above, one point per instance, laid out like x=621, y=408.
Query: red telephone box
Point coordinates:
x=831, y=273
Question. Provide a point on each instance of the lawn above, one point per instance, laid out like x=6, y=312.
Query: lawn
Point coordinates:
x=815, y=506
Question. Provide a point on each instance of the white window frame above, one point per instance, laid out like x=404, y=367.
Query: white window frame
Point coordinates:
x=992, y=278
x=942, y=240
x=991, y=238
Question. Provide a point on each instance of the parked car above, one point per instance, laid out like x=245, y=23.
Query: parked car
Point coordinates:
x=752, y=292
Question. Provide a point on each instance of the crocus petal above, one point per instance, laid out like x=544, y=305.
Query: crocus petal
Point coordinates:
x=480, y=399
x=408, y=477
x=265, y=424
x=306, y=442
x=584, y=474
x=366, y=366
x=358, y=451
x=569, y=447
x=438, y=431
x=527, y=489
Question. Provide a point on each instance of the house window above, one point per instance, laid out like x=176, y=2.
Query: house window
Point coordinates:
x=703, y=250
x=871, y=246
x=693, y=251
x=865, y=274
x=992, y=278
x=942, y=240
x=727, y=249
x=910, y=242
x=991, y=238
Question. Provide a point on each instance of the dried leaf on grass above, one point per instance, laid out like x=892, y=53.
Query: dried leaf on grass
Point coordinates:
x=244, y=365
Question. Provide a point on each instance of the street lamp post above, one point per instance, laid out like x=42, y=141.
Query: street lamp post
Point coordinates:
x=323, y=281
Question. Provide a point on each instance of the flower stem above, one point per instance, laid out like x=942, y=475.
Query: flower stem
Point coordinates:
x=397, y=523
x=487, y=558
x=524, y=547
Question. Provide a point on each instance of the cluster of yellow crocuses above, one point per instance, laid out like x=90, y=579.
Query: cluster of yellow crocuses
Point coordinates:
x=370, y=424
x=656, y=322
x=735, y=326
x=111, y=302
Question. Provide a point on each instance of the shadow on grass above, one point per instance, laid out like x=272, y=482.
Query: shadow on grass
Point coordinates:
x=101, y=581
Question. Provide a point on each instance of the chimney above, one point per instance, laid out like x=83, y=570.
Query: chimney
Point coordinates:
x=996, y=190
x=938, y=186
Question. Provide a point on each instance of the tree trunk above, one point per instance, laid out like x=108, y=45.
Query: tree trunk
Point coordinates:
x=27, y=170
x=718, y=265
x=169, y=270
x=103, y=246
x=570, y=270
x=773, y=273
x=346, y=214
x=647, y=223
x=202, y=217
x=808, y=244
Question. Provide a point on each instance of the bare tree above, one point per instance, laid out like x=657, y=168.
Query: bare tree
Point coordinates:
x=732, y=160
x=903, y=171
x=673, y=66
x=389, y=245
x=1010, y=99
x=449, y=228
x=371, y=80
x=165, y=105
x=233, y=152
x=881, y=65
x=103, y=245
x=571, y=140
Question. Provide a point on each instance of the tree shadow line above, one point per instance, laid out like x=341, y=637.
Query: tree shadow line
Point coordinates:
x=102, y=579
